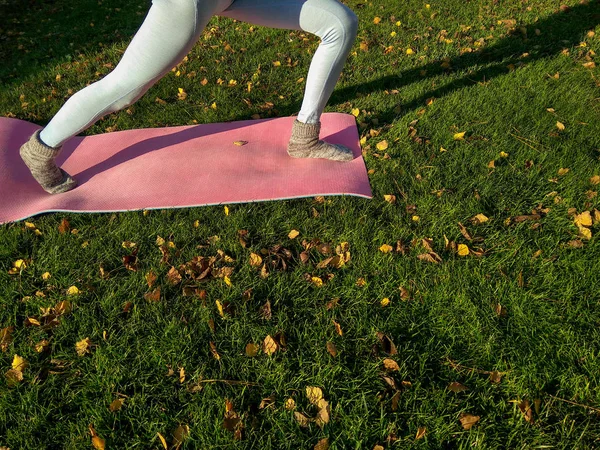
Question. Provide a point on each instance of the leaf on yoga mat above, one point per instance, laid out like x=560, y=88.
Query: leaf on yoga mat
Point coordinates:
x=240, y=143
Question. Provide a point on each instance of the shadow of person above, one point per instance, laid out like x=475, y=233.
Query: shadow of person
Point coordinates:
x=557, y=31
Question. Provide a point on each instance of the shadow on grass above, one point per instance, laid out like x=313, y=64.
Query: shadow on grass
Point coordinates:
x=557, y=32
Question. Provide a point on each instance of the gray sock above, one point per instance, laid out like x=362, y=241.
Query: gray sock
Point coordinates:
x=39, y=158
x=305, y=143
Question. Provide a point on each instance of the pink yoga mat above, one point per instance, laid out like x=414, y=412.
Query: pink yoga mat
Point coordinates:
x=176, y=167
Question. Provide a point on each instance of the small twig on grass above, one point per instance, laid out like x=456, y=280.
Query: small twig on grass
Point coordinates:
x=457, y=366
x=576, y=404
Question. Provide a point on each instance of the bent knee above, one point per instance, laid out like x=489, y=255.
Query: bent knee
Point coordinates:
x=332, y=21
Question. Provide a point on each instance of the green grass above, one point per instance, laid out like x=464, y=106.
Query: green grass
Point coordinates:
x=546, y=345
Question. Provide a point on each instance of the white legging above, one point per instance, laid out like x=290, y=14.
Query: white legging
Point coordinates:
x=170, y=30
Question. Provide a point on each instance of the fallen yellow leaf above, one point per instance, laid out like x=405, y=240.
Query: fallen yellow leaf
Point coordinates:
x=314, y=394
x=19, y=363
x=385, y=248
x=383, y=145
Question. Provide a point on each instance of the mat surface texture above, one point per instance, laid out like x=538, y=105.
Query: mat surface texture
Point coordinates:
x=177, y=167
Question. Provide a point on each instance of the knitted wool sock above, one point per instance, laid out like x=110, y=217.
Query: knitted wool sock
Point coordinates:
x=305, y=143
x=39, y=158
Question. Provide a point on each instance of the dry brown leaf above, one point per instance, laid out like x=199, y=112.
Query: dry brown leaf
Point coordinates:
x=98, y=443
x=430, y=257
x=387, y=344
x=213, y=350
x=323, y=444
x=269, y=345
x=153, y=296
x=323, y=413
x=455, y=386
x=5, y=337
x=179, y=435
x=303, y=421
x=266, y=402
x=13, y=377
x=255, y=260
x=420, y=433
x=116, y=404
x=314, y=394
x=265, y=310
x=332, y=349
x=526, y=410
x=390, y=364
x=64, y=226
x=468, y=420
x=338, y=328
x=252, y=349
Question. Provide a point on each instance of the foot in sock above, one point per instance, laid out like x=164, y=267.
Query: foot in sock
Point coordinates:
x=39, y=158
x=305, y=143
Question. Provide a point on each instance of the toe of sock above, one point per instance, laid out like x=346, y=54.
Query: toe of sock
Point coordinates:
x=66, y=184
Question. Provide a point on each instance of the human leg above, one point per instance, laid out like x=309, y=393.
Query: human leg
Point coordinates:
x=167, y=34
x=337, y=26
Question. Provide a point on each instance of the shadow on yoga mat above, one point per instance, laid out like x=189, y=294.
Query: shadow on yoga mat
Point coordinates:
x=176, y=167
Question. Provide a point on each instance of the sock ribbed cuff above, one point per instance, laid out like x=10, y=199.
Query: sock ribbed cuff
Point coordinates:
x=42, y=149
x=306, y=130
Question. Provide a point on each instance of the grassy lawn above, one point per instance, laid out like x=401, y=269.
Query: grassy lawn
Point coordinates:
x=432, y=327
